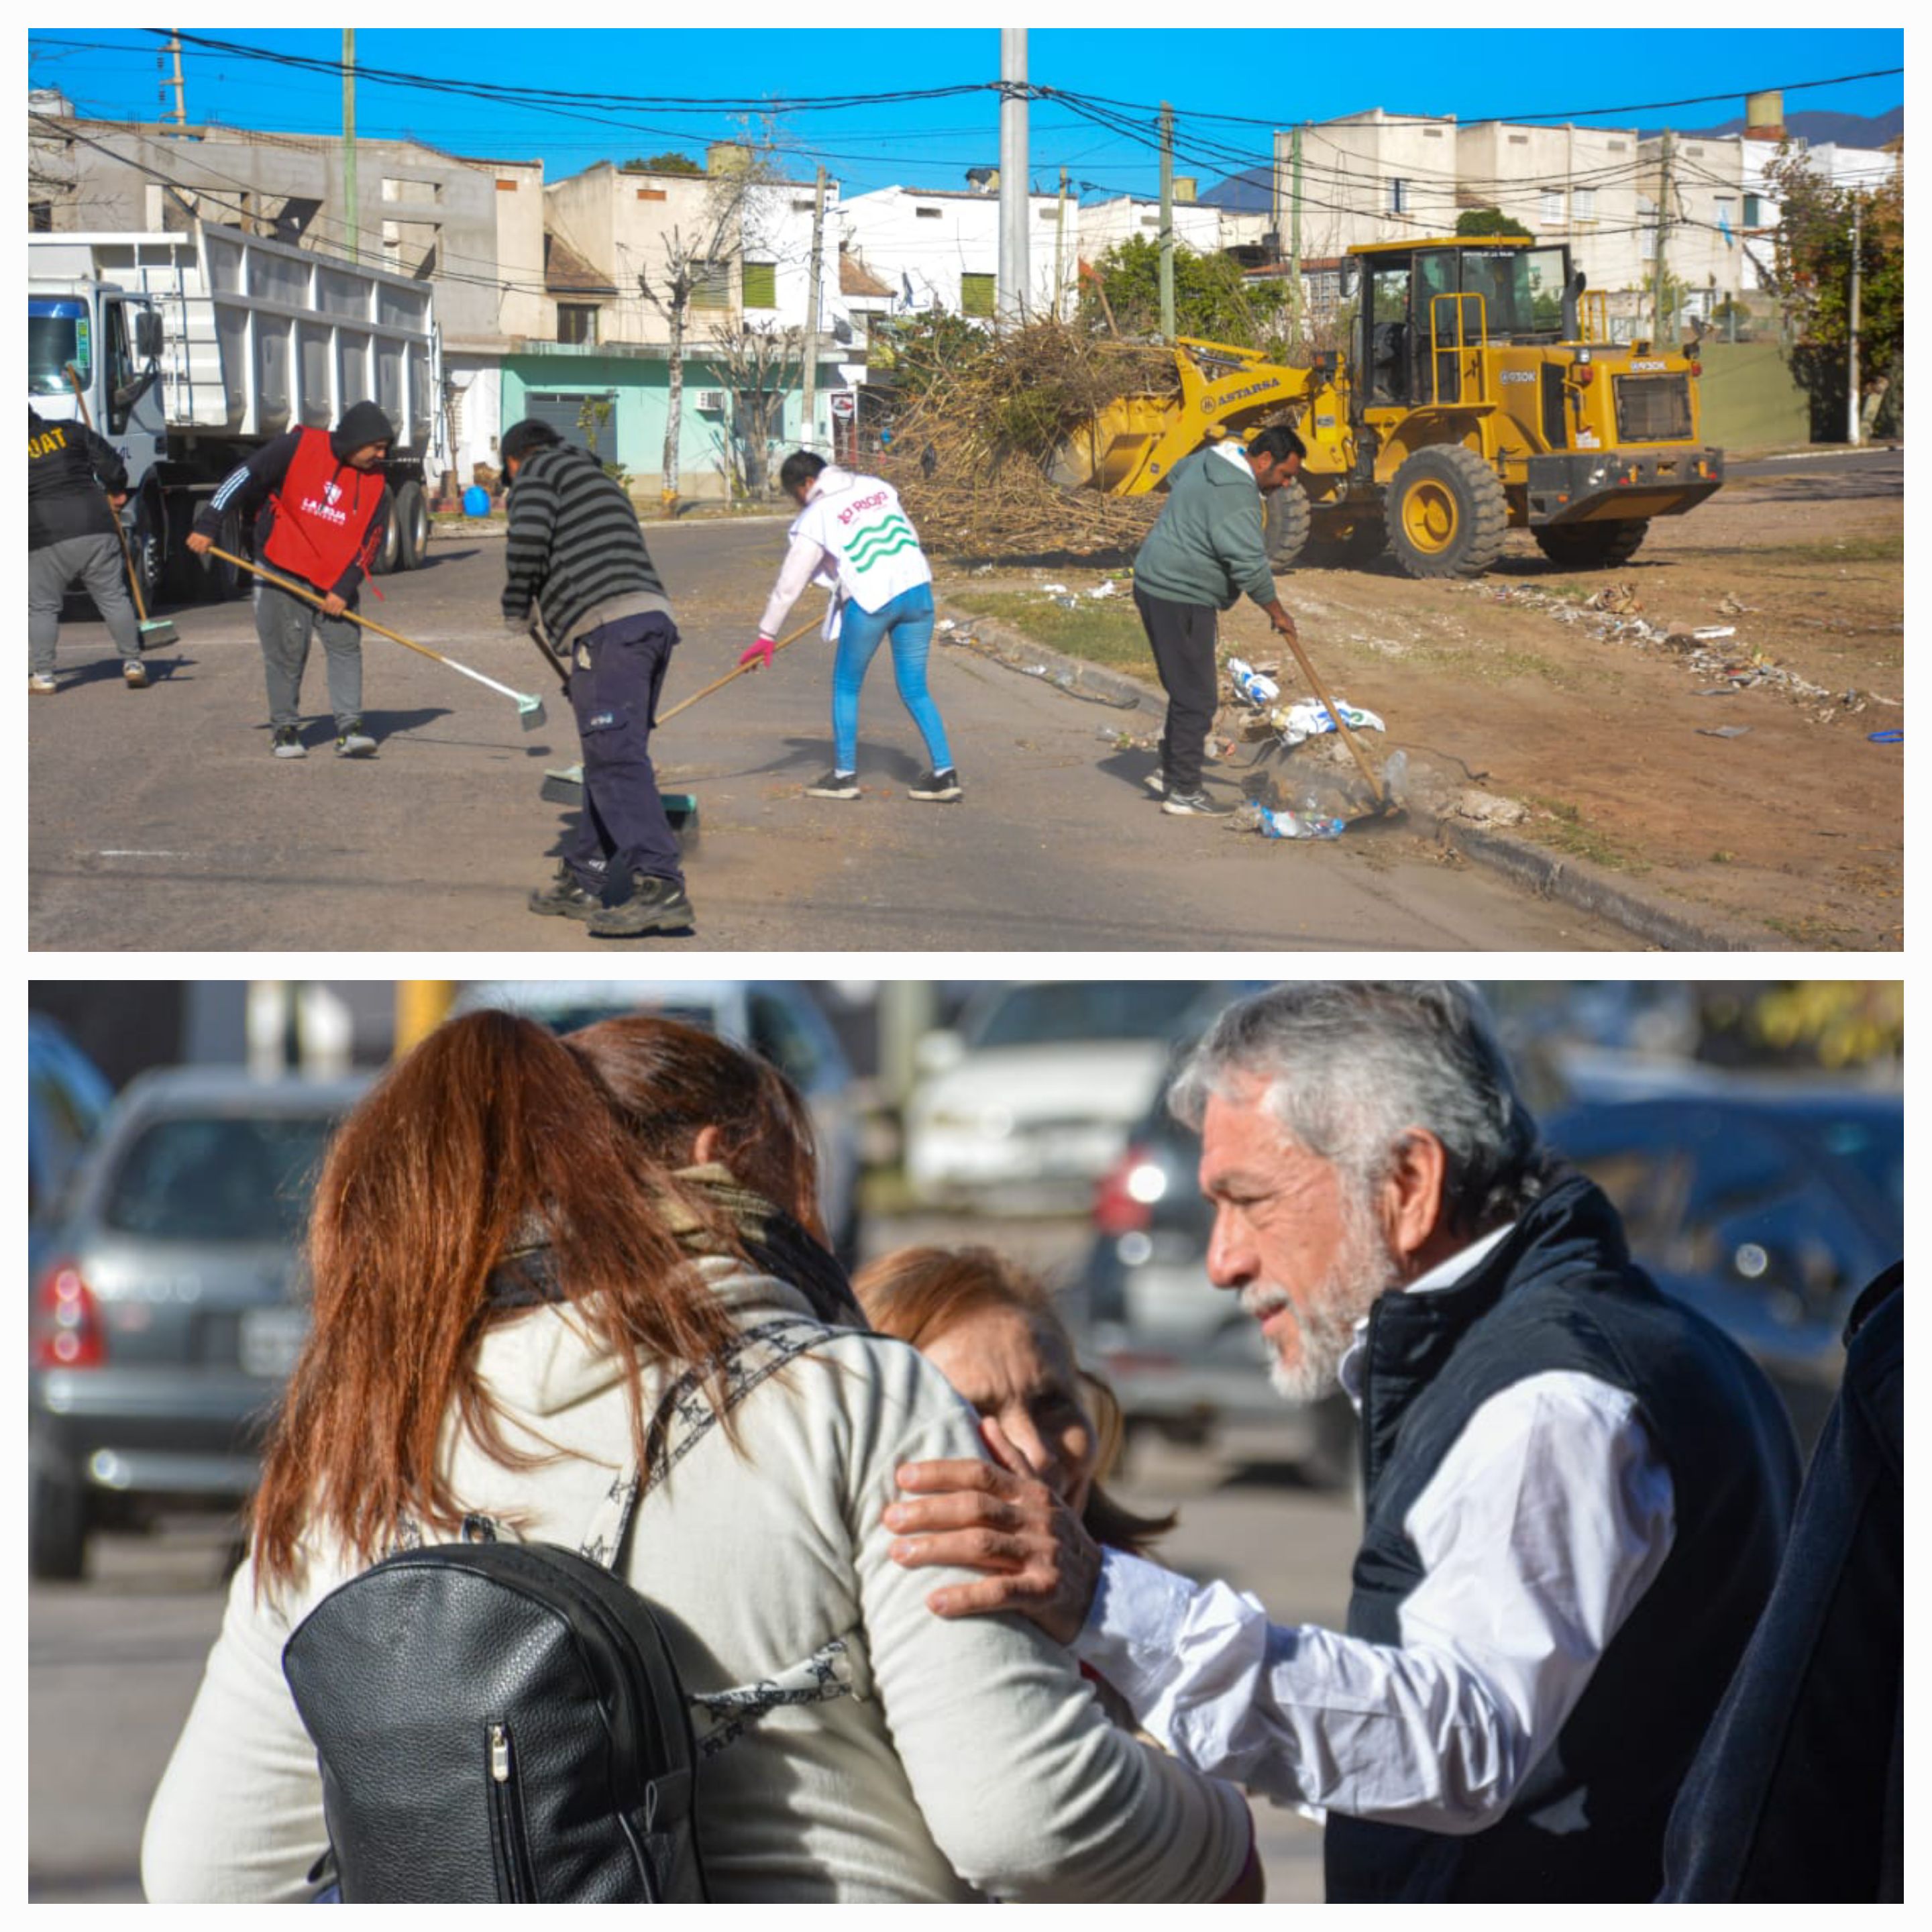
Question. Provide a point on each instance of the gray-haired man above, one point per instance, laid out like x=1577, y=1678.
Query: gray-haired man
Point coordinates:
x=1575, y=1491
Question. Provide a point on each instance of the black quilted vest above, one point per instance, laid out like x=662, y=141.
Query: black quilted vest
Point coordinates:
x=1562, y=1293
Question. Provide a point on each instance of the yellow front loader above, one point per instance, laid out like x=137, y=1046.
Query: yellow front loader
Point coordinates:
x=1478, y=394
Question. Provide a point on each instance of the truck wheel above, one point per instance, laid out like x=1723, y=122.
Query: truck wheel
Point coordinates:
x=221, y=581
x=1591, y=546
x=1447, y=515
x=388, y=558
x=181, y=578
x=148, y=542
x=1286, y=521
x=56, y=1527
x=1352, y=546
x=409, y=519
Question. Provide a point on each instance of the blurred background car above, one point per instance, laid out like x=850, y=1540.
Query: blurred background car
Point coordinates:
x=166, y=1309
x=775, y=1018
x=67, y=1097
x=1025, y=1105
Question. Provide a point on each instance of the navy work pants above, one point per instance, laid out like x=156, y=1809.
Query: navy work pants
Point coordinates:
x=616, y=672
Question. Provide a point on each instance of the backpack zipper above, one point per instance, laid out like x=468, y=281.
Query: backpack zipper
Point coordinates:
x=518, y=1885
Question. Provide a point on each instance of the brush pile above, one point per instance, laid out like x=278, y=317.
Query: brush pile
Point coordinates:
x=980, y=420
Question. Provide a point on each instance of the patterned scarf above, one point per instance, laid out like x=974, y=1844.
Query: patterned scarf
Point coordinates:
x=775, y=1243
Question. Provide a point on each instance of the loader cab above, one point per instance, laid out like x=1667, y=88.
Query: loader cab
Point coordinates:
x=1418, y=299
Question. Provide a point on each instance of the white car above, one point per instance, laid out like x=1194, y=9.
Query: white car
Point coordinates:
x=775, y=1018
x=1029, y=1101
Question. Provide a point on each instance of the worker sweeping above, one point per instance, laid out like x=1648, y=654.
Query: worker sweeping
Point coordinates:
x=76, y=484
x=320, y=504
x=853, y=537
x=576, y=553
x=1206, y=550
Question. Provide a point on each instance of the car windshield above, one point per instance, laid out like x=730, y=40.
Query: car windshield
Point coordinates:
x=1522, y=288
x=57, y=334
x=218, y=1177
x=1085, y=1009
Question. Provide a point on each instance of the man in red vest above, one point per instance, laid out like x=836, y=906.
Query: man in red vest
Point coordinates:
x=320, y=506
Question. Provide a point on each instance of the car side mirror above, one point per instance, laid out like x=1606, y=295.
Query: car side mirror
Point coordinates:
x=939, y=1051
x=1351, y=281
x=147, y=334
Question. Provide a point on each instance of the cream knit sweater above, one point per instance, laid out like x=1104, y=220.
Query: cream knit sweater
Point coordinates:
x=940, y=1760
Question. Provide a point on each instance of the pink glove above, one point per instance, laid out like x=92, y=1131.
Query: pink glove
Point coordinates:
x=762, y=649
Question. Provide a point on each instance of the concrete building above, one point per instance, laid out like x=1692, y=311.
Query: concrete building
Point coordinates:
x=1703, y=219
x=1372, y=177
x=939, y=248
x=1102, y=225
x=1572, y=184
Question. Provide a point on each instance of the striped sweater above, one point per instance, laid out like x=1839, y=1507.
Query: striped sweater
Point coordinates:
x=575, y=545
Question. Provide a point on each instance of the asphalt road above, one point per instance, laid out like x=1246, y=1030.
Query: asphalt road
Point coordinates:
x=158, y=821
x=1831, y=475
x=113, y=1663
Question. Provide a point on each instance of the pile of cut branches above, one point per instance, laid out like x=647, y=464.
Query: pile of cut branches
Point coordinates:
x=980, y=420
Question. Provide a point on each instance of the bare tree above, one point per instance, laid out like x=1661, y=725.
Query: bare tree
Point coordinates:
x=696, y=259
x=762, y=363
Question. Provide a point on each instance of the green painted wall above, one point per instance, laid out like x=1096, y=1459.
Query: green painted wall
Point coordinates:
x=1748, y=398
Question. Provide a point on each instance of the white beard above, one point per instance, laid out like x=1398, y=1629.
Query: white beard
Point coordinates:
x=1363, y=1270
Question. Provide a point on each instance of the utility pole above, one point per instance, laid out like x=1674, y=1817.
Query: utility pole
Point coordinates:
x=1011, y=306
x=1295, y=231
x=180, y=115
x=348, y=142
x=1060, y=247
x=1854, y=423
x=1166, y=222
x=1663, y=220
x=814, y=280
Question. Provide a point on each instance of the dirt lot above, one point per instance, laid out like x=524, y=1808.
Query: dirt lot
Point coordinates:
x=1793, y=825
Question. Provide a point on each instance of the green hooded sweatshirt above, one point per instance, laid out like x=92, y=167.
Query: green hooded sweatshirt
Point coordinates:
x=1207, y=548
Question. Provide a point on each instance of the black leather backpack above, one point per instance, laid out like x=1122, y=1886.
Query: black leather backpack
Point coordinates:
x=500, y=1721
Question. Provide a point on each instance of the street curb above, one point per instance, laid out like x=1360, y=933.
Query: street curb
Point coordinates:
x=1573, y=882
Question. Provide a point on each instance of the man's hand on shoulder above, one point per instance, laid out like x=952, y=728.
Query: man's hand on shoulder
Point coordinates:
x=999, y=1518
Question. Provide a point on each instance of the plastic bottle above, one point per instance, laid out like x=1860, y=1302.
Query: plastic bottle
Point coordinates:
x=1299, y=825
x=1252, y=685
x=1395, y=775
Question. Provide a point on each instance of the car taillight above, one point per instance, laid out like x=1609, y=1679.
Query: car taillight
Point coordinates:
x=67, y=1332
x=1125, y=1195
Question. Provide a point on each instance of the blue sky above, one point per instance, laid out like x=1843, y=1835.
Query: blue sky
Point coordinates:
x=1272, y=76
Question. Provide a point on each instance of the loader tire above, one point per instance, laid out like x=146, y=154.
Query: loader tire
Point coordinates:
x=1591, y=546
x=1286, y=518
x=1447, y=515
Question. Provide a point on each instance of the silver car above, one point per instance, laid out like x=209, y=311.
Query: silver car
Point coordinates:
x=167, y=1309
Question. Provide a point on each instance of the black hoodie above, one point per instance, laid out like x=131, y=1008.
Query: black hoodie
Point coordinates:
x=69, y=471
x=249, y=491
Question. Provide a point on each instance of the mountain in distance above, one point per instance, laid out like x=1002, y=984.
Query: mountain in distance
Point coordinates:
x=1251, y=191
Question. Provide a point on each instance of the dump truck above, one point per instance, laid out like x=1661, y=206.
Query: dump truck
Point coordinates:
x=194, y=348
x=1479, y=393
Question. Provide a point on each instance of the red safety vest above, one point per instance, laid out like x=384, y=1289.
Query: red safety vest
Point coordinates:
x=322, y=514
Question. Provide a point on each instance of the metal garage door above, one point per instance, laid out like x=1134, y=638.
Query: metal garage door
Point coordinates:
x=561, y=412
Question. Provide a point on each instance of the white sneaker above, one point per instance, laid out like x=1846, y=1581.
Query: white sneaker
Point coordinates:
x=134, y=674
x=41, y=684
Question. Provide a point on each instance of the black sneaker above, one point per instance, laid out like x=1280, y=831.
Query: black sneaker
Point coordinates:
x=1196, y=804
x=563, y=898
x=287, y=742
x=353, y=741
x=834, y=784
x=657, y=905
x=942, y=786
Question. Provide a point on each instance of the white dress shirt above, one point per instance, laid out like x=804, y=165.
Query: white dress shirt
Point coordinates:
x=1545, y=1523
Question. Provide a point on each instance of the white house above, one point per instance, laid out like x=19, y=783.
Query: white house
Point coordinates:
x=939, y=248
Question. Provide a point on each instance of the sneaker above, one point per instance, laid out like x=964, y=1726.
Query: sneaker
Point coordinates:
x=352, y=742
x=943, y=786
x=40, y=683
x=1156, y=782
x=834, y=784
x=134, y=674
x=657, y=905
x=1196, y=804
x=288, y=743
x=563, y=898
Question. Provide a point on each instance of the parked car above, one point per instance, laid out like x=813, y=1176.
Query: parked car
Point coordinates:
x=1184, y=1360
x=1027, y=1103
x=775, y=1018
x=1766, y=1210
x=166, y=1309
x=67, y=1097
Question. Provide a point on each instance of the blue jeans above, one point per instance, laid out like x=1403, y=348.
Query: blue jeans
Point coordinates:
x=908, y=619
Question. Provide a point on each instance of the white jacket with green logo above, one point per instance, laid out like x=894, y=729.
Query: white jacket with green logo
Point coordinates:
x=853, y=538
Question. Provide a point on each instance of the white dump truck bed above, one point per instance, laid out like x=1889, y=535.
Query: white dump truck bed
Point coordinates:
x=260, y=337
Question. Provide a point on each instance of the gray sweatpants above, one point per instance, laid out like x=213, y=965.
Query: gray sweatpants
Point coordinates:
x=96, y=561
x=284, y=623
